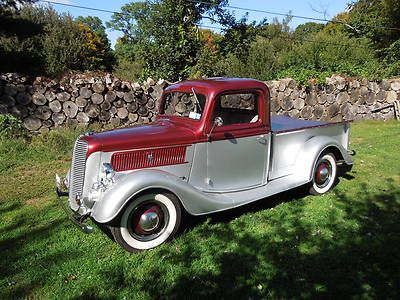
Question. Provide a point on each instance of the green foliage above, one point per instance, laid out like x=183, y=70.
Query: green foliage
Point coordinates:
x=11, y=127
x=97, y=45
x=162, y=34
x=332, y=53
x=307, y=30
x=392, y=59
x=237, y=38
x=62, y=44
x=128, y=66
x=369, y=17
x=208, y=57
x=261, y=62
x=312, y=51
x=128, y=70
x=8, y=7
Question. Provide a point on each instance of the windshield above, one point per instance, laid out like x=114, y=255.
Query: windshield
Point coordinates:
x=190, y=105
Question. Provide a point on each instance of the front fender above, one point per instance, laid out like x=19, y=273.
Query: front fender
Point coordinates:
x=128, y=186
x=311, y=151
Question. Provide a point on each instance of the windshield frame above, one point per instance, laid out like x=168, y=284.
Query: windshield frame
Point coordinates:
x=161, y=108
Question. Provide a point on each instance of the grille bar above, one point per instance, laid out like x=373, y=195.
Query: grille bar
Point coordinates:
x=77, y=175
x=139, y=159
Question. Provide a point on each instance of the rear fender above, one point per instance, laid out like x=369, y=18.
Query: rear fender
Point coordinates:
x=311, y=151
x=130, y=185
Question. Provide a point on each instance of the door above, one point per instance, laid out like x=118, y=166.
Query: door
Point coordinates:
x=237, y=153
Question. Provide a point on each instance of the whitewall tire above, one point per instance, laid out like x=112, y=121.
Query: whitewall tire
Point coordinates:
x=324, y=174
x=148, y=221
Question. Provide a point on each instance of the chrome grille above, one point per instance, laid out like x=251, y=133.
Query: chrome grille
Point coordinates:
x=77, y=175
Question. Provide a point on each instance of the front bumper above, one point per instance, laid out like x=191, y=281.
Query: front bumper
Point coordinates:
x=73, y=216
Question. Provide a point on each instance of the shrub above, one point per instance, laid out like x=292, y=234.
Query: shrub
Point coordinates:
x=128, y=70
x=11, y=127
x=62, y=44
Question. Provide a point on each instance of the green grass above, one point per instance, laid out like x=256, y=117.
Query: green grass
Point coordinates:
x=342, y=244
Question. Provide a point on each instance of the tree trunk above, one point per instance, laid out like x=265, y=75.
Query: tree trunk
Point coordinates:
x=32, y=123
x=81, y=117
x=129, y=97
x=122, y=112
x=55, y=106
x=97, y=98
x=39, y=99
x=98, y=87
x=58, y=118
x=81, y=102
x=143, y=111
x=92, y=110
x=43, y=112
x=85, y=92
x=70, y=109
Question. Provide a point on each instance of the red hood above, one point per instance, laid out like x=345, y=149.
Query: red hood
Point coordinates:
x=160, y=134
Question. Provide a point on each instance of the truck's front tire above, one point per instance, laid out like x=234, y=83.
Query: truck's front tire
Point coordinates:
x=148, y=221
x=324, y=174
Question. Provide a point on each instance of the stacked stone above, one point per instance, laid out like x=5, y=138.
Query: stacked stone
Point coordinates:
x=180, y=104
x=340, y=99
x=44, y=104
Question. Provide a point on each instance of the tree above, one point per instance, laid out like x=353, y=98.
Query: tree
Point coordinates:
x=208, y=55
x=62, y=44
x=237, y=38
x=369, y=17
x=97, y=44
x=304, y=31
x=13, y=27
x=164, y=34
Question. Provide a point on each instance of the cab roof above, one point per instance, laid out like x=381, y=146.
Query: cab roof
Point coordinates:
x=217, y=85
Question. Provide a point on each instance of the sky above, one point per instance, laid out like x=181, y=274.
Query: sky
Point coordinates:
x=309, y=8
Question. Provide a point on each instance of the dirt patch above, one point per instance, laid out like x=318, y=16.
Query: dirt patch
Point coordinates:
x=35, y=202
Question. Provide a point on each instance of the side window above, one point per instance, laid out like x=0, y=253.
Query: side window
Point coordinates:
x=237, y=108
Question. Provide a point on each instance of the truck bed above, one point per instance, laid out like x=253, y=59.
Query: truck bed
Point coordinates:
x=289, y=136
x=284, y=124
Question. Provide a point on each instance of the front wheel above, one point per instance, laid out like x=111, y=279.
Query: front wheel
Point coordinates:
x=148, y=221
x=324, y=174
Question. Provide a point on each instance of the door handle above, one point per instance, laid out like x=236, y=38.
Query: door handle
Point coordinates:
x=262, y=140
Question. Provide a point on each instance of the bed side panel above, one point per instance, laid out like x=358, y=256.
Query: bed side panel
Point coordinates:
x=286, y=146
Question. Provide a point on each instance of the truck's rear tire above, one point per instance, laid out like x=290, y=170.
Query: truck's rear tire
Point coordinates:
x=148, y=221
x=324, y=174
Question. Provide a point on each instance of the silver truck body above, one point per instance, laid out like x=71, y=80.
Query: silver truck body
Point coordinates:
x=213, y=147
x=218, y=175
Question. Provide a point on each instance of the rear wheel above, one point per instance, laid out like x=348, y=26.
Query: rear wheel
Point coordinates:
x=148, y=221
x=324, y=174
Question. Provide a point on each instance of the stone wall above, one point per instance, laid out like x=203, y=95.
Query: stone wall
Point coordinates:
x=43, y=104
x=339, y=99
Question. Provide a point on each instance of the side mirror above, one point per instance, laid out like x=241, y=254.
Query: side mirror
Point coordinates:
x=218, y=121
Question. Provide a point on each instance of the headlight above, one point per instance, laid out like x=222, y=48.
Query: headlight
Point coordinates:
x=108, y=171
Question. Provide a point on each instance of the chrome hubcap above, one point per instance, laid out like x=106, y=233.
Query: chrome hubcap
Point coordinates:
x=149, y=221
x=323, y=174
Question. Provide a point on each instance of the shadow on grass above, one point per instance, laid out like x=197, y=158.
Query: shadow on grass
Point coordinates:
x=353, y=254
x=21, y=253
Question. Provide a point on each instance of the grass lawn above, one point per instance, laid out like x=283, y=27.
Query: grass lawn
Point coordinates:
x=342, y=244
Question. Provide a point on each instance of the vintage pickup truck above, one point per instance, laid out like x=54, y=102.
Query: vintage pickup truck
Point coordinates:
x=214, y=146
